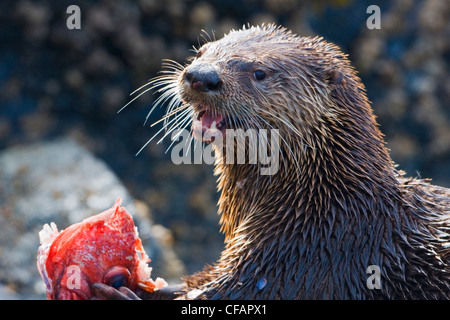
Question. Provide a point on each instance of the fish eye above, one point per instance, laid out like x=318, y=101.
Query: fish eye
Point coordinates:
x=259, y=75
x=117, y=277
x=118, y=280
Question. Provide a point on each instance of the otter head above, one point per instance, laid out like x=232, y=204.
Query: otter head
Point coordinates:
x=301, y=89
x=227, y=84
x=267, y=77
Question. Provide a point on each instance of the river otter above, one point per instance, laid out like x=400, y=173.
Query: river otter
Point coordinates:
x=337, y=210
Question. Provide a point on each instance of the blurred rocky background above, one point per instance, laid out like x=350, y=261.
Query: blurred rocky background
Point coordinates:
x=60, y=91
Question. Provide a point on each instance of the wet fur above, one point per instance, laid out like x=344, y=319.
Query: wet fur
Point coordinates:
x=337, y=204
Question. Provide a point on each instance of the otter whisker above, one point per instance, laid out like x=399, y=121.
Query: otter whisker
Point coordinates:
x=173, y=103
x=138, y=96
x=246, y=118
x=178, y=124
x=206, y=36
x=190, y=141
x=132, y=100
x=232, y=114
x=171, y=93
x=172, y=65
x=295, y=130
x=154, y=136
x=266, y=140
x=168, y=81
x=163, y=128
x=166, y=78
x=175, y=138
x=141, y=87
x=179, y=118
x=279, y=146
x=289, y=148
x=171, y=113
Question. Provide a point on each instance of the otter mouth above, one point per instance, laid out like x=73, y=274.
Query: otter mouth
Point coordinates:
x=209, y=125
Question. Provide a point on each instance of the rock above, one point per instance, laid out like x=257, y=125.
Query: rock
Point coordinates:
x=7, y=294
x=61, y=181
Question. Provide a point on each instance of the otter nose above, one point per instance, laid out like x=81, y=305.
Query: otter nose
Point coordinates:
x=203, y=77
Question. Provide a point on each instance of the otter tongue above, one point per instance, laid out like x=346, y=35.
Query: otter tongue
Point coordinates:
x=208, y=119
x=205, y=128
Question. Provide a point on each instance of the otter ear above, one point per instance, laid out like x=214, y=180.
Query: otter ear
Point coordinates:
x=329, y=74
x=333, y=76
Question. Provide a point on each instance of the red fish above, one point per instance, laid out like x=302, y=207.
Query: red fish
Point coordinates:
x=103, y=248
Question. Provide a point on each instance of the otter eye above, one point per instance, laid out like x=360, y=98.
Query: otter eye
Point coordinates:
x=259, y=75
x=200, y=52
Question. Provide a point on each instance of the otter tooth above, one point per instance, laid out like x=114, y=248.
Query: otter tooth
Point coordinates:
x=213, y=128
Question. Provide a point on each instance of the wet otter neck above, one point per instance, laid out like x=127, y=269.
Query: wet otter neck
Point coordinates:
x=339, y=202
x=349, y=169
